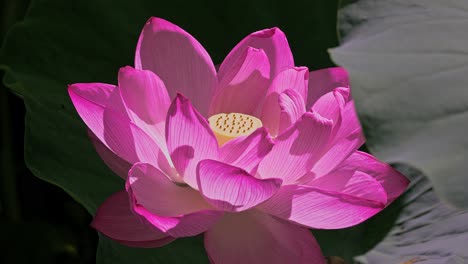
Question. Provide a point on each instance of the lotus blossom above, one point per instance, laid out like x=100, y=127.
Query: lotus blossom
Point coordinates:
x=251, y=155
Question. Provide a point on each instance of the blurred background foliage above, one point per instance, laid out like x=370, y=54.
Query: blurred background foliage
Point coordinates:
x=39, y=222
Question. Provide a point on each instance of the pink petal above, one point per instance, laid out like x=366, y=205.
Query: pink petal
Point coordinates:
x=233, y=189
x=272, y=41
x=114, y=162
x=144, y=95
x=348, y=137
x=325, y=80
x=115, y=220
x=243, y=85
x=292, y=107
x=390, y=179
x=297, y=149
x=158, y=194
x=295, y=79
x=103, y=94
x=115, y=130
x=352, y=182
x=178, y=59
x=252, y=237
x=180, y=226
x=331, y=104
x=146, y=100
x=189, y=139
x=247, y=152
x=321, y=209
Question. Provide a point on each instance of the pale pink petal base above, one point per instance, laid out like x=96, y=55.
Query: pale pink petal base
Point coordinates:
x=252, y=237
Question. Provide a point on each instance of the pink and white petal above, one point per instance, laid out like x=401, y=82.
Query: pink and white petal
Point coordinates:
x=178, y=59
x=181, y=226
x=391, y=180
x=115, y=130
x=144, y=95
x=232, y=189
x=297, y=149
x=114, y=162
x=115, y=220
x=247, y=152
x=253, y=237
x=292, y=107
x=295, y=79
x=244, y=85
x=323, y=81
x=320, y=209
x=273, y=41
x=161, y=196
x=189, y=139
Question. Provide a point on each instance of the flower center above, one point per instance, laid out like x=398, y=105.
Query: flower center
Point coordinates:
x=232, y=125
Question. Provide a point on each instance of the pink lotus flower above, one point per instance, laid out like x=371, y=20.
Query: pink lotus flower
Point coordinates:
x=252, y=156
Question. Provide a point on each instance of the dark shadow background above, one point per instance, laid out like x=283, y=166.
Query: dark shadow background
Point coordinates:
x=39, y=222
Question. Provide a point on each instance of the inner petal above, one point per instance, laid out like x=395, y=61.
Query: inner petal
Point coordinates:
x=232, y=125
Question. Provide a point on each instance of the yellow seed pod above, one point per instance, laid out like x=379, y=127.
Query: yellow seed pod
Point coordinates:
x=232, y=125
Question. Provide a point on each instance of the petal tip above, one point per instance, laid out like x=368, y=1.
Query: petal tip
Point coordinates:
x=267, y=33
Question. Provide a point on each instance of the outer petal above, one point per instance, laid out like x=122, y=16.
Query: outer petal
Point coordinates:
x=317, y=208
x=114, y=162
x=180, y=226
x=244, y=85
x=292, y=107
x=247, y=152
x=325, y=80
x=272, y=41
x=189, y=139
x=115, y=130
x=252, y=237
x=347, y=138
x=295, y=79
x=161, y=196
x=355, y=183
x=297, y=149
x=233, y=189
x=115, y=220
x=331, y=104
x=390, y=179
x=178, y=59
x=144, y=95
